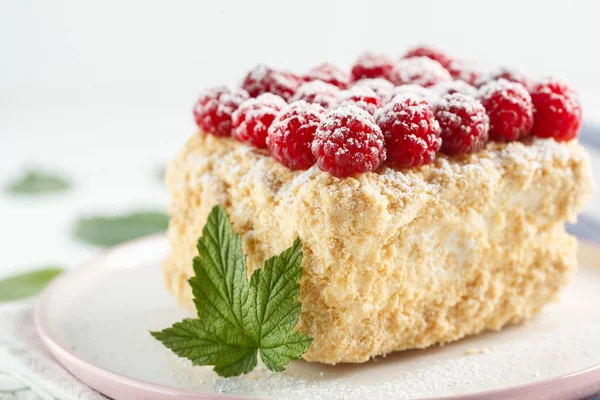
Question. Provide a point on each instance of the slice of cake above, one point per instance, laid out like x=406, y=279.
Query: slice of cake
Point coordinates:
x=423, y=220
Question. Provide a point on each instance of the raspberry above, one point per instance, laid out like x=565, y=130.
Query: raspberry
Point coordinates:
x=465, y=71
x=318, y=92
x=214, y=109
x=419, y=70
x=382, y=87
x=263, y=79
x=362, y=97
x=557, y=112
x=348, y=142
x=450, y=87
x=412, y=134
x=252, y=119
x=463, y=122
x=292, y=133
x=509, y=107
x=429, y=52
x=511, y=75
x=415, y=92
x=372, y=66
x=331, y=74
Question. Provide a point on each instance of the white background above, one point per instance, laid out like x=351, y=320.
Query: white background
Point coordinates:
x=103, y=90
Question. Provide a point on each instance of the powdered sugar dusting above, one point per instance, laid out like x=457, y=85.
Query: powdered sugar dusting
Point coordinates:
x=415, y=92
x=362, y=97
x=457, y=86
x=419, y=70
x=307, y=114
x=330, y=73
x=508, y=73
x=456, y=101
x=467, y=71
x=215, y=107
x=266, y=103
x=347, y=142
x=382, y=87
x=319, y=92
x=503, y=86
x=263, y=79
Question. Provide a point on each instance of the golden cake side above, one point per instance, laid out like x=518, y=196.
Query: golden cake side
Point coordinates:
x=392, y=259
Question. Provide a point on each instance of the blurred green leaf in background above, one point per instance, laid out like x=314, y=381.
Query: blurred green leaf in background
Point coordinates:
x=28, y=284
x=111, y=230
x=38, y=181
x=161, y=173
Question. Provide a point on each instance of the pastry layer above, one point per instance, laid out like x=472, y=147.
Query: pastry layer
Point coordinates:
x=394, y=259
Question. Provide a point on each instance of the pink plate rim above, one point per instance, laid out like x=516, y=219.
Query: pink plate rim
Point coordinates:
x=576, y=385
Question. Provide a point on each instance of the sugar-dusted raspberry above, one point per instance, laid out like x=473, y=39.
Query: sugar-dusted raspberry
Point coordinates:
x=510, y=74
x=411, y=132
x=415, y=92
x=557, y=112
x=292, y=133
x=331, y=74
x=362, y=97
x=214, y=109
x=465, y=71
x=348, y=142
x=370, y=65
x=429, y=52
x=252, y=119
x=382, y=87
x=419, y=70
x=508, y=104
x=463, y=122
x=318, y=92
x=457, y=86
x=263, y=79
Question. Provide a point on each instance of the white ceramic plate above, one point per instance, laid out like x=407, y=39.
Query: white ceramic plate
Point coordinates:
x=96, y=319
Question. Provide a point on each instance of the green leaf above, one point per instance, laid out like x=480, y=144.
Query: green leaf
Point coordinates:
x=237, y=317
x=112, y=230
x=38, y=182
x=27, y=284
x=161, y=172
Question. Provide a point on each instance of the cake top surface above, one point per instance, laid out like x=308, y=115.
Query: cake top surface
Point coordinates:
x=408, y=112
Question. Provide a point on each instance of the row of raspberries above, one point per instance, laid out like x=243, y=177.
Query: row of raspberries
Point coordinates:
x=401, y=113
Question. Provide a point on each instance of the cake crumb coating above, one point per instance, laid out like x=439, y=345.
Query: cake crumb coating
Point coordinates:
x=393, y=259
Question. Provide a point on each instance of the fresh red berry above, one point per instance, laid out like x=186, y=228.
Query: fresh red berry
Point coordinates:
x=419, y=70
x=465, y=71
x=252, y=119
x=371, y=65
x=382, y=87
x=415, y=92
x=450, y=87
x=508, y=104
x=348, y=142
x=331, y=74
x=557, y=112
x=362, y=97
x=214, y=109
x=412, y=134
x=318, y=92
x=429, y=52
x=511, y=75
x=263, y=79
x=292, y=133
x=463, y=122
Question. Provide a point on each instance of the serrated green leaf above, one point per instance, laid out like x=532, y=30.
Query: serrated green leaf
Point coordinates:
x=37, y=181
x=112, y=230
x=28, y=284
x=237, y=317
